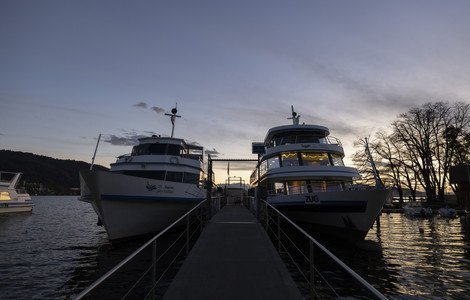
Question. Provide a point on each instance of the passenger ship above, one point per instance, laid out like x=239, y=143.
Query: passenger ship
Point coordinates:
x=302, y=171
x=147, y=190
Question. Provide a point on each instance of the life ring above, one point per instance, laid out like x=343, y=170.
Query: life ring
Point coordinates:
x=174, y=160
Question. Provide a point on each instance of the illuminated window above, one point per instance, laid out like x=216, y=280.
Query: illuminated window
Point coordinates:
x=279, y=187
x=296, y=187
x=289, y=159
x=5, y=196
x=315, y=159
x=273, y=162
x=263, y=167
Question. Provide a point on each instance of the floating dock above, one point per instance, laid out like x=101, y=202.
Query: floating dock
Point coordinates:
x=233, y=259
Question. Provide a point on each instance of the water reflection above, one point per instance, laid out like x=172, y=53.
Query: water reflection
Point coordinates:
x=416, y=257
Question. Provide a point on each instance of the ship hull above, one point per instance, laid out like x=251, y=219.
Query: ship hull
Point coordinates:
x=339, y=215
x=129, y=206
x=16, y=206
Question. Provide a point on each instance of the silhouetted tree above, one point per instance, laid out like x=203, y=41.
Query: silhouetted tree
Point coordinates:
x=421, y=147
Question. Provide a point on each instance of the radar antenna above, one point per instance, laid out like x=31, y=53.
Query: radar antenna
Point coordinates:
x=173, y=117
x=295, y=117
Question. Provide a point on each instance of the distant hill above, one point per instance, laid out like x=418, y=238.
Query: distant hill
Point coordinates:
x=44, y=175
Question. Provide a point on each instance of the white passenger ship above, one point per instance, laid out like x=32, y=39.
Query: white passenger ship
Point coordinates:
x=302, y=171
x=147, y=190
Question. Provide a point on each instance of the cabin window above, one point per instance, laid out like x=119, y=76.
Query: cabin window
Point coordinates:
x=191, y=178
x=158, y=149
x=318, y=186
x=141, y=149
x=263, y=167
x=254, y=176
x=290, y=159
x=273, y=163
x=296, y=187
x=302, y=139
x=337, y=160
x=334, y=187
x=315, y=159
x=174, y=176
x=158, y=175
x=173, y=149
x=279, y=188
x=5, y=196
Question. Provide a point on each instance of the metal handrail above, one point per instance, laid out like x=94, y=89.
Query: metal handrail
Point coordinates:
x=304, y=139
x=351, y=272
x=134, y=254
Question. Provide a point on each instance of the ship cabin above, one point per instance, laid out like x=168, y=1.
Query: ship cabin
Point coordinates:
x=156, y=145
x=301, y=159
x=162, y=158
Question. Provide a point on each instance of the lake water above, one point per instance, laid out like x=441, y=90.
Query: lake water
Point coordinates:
x=58, y=250
x=414, y=258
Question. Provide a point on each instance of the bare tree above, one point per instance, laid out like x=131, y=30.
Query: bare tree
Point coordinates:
x=419, y=151
x=431, y=135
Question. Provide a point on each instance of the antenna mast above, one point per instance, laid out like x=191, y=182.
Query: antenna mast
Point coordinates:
x=94, y=154
x=378, y=181
x=295, y=117
x=173, y=117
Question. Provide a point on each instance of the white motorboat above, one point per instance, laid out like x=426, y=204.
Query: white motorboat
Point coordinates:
x=447, y=212
x=415, y=209
x=301, y=168
x=11, y=199
x=147, y=190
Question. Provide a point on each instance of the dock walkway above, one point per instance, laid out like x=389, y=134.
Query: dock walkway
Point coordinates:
x=233, y=259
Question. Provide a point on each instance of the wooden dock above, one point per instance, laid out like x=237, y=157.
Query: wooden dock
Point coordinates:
x=233, y=259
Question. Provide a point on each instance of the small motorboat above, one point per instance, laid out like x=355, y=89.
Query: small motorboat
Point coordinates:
x=11, y=199
x=415, y=209
x=447, y=212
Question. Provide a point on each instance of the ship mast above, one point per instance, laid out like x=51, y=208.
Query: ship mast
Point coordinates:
x=378, y=181
x=173, y=117
x=295, y=117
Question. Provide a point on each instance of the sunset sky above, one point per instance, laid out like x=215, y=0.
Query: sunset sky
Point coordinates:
x=70, y=70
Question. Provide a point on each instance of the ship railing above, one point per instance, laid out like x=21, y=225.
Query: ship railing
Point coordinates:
x=305, y=139
x=317, y=272
x=146, y=273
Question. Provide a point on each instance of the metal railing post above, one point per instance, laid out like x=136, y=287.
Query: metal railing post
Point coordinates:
x=187, y=235
x=154, y=267
x=312, y=272
x=201, y=212
x=266, y=215
x=278, y=233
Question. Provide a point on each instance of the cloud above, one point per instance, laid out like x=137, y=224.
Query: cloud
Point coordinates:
x=193, y=143
x=236, y=165
x=213, y=152
x=140, y=104
x=129, y=139
x=158, y=110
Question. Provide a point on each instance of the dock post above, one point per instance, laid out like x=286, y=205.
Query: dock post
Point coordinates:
x=154, y=268
x=312, y=272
